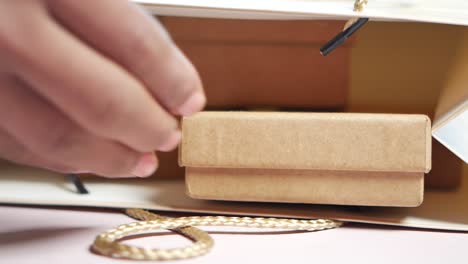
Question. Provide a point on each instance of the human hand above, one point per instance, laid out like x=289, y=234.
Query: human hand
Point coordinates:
x=90, y=86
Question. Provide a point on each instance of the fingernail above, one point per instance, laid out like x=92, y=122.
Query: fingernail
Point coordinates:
x=172, y=142
x=194, y=103
x=146, y=166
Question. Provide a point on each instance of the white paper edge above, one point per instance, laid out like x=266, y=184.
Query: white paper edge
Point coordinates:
x=444, y=12
x=453, y=134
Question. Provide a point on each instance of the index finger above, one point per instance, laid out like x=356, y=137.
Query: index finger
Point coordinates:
x=123, y=32
x=88, y=88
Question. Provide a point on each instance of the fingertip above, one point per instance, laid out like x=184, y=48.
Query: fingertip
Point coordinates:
x=190, y=84
x=172, y=142
x=193, y=104
x=146, y=165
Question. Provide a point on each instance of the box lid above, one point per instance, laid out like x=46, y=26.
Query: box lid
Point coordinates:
x=320, y=141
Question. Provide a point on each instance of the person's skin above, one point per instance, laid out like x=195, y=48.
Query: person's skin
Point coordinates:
x=90, y=86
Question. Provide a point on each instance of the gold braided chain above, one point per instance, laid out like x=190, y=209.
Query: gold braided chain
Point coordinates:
x=108, y=243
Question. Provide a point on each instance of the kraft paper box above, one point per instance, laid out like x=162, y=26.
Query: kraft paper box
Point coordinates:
x=248, y=63
x=321, y=158
x=408, y=63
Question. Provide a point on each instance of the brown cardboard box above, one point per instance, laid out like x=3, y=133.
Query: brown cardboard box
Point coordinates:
x=387, y=155
x=249, y=63
x=447, y=168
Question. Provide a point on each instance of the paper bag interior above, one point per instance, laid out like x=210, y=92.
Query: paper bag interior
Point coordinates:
x=388, y=68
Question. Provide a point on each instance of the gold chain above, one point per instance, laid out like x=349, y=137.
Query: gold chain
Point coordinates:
x=108, y=243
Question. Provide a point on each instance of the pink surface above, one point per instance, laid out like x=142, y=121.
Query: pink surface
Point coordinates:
x=44, y=235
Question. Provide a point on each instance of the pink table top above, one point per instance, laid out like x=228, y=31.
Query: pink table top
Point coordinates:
x=47, y=235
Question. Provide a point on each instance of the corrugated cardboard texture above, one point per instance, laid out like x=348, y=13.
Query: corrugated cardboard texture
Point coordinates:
x=247, y=63
x=322, y=141
x=307, y=186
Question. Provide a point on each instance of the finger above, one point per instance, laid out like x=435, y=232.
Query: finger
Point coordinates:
x=90, y=89
x=49, y=134
x=12, y=150
x=140, y=44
